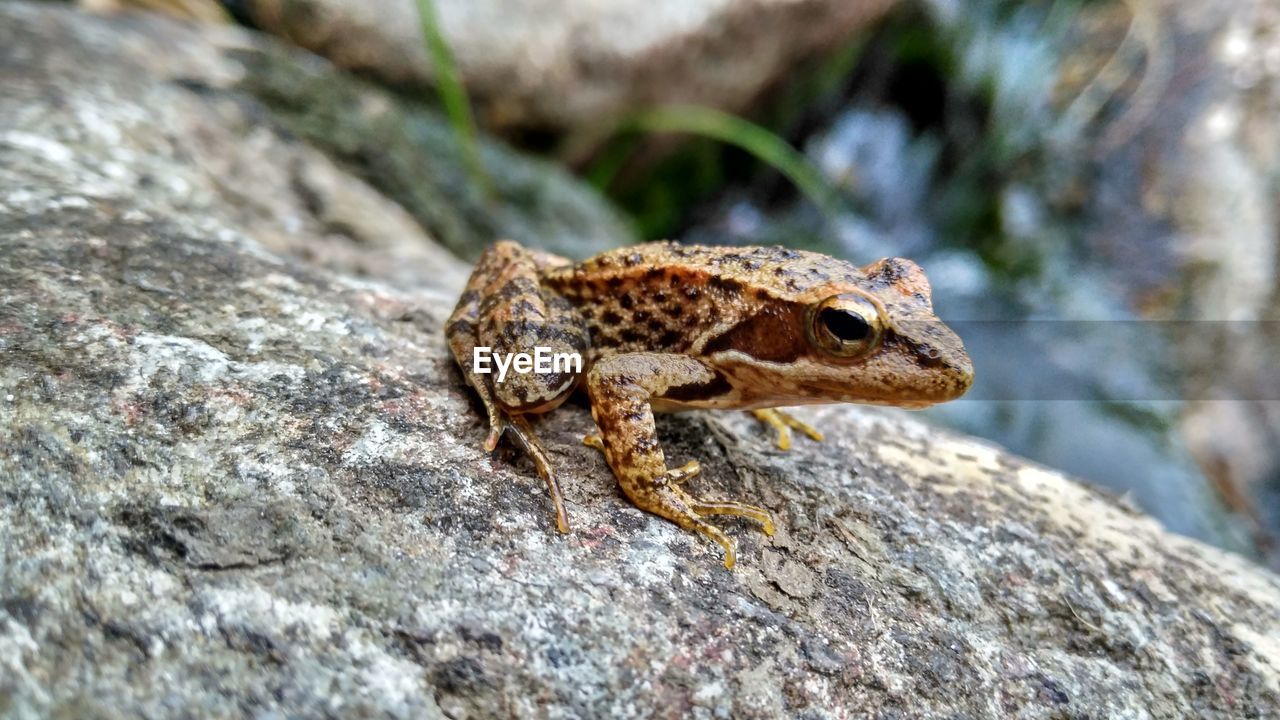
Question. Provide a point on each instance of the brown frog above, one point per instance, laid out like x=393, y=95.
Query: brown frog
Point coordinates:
x=665, y=326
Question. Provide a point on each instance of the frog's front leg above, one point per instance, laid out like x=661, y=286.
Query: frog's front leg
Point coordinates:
x=505, y=310
x=621, y=388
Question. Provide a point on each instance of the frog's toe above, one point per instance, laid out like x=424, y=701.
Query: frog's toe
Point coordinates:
x=491, y=440
x=686, y=517
x=497, y=426
x=782, y=424
x=715, y=534
x=593, y=441
x=736, y=509
x=703, y=508
x=675, y=476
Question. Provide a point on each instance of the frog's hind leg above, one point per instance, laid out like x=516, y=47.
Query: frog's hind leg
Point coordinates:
x=782, y=424
x=461, y=331
x=505, y=309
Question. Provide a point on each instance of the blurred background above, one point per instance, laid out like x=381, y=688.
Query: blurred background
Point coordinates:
x=1090, y=186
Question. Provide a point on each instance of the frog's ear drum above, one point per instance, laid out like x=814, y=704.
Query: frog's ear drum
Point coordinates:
x=902, y=274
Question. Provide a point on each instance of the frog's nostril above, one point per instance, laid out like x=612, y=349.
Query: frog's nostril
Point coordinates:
x=929, y=355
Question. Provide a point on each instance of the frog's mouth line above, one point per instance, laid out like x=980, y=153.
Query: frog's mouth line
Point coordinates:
x=762, y=383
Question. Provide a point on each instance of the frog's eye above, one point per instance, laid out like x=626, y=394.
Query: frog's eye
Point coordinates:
x=846, y=326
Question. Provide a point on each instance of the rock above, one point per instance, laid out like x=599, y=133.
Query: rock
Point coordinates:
x=411, y=155
x=235, y=480
x=393, y=144
x=574, y=65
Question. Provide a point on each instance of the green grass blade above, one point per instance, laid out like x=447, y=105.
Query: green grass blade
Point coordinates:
x=757, y=140
x=452, y=93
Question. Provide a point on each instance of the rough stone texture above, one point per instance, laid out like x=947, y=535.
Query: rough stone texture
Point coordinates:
x=257, y=90
x=233, y=481
x=572, y=64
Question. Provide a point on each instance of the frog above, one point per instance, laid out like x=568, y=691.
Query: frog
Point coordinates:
x=666, y=326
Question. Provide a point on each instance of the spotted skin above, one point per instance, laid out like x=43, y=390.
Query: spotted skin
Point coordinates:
x=504, y=308
x=669, y=327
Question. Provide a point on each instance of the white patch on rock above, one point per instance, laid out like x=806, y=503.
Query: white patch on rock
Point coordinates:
x=49, y=150
x=254, y=609
x=175, y=354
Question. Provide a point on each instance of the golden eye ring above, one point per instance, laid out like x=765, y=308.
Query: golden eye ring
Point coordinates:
x=848, y=326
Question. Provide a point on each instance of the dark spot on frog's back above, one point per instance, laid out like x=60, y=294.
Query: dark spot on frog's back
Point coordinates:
x=724, y=284
x=672, y=341
x=524, y=307
x=461, y=326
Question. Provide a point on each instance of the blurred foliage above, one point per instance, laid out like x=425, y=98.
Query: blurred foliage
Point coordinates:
x=452, y=93
x=662, y=193
x=762, y=144
x=976, y=84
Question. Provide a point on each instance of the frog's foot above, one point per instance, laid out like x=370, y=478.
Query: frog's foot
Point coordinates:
x=782, y=423
x=664, y=497
x=594, y=441
x=522, y=430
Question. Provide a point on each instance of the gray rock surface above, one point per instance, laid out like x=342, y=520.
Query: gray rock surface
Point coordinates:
x=260, y=90
x=566, y=65
x=239, y=475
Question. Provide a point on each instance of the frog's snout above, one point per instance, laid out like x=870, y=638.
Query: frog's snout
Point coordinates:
x=959, y=368
x=942, y=357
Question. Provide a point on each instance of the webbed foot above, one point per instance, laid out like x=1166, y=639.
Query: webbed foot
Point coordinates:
x=665, y=497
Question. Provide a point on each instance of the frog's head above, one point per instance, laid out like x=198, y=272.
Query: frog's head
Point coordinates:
x=871, y=337
x=880, y=341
